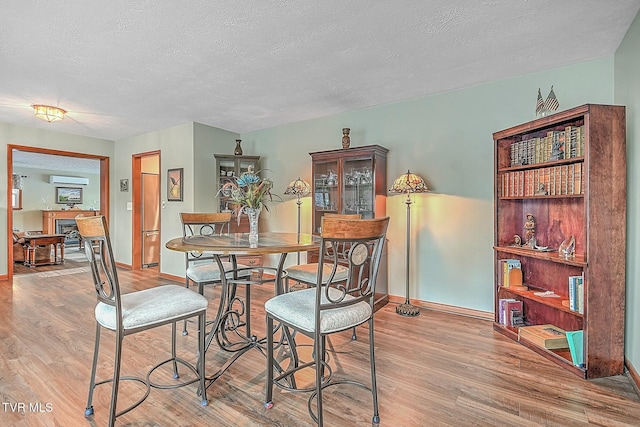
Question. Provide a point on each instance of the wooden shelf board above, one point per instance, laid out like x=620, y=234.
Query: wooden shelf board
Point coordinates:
x=561, y=357
x=554, y=302
x=577, y=261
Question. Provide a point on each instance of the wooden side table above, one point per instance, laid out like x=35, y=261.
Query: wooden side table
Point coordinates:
x=48, y=240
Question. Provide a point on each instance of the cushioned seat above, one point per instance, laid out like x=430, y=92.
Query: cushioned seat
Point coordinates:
x=298, y=310
x=209, y=272
x=144, y=308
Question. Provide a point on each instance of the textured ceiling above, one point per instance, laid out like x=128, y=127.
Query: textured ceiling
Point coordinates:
x=124, y=68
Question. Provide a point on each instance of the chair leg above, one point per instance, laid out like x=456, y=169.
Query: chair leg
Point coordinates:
x=202, y=323
x=173, y=350
x=269, y=380
x=319, y=358
x=184, y=326
x=116, y=379
x=375, y=421
x=92, y=382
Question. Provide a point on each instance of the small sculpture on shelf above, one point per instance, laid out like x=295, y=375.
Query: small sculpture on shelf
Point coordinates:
x=346, y=141
x=557, y=150
x=517, y=240
x=530, y=231
x=541, y=191
x=567, y=248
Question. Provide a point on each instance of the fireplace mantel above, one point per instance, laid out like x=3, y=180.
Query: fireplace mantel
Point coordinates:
x=49, y=217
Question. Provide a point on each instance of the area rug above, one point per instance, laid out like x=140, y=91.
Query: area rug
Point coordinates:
x=64, y=272
x=76, y=256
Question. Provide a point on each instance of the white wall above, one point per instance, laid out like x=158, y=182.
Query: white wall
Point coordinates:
x=21, y=135
x=627, y=92
x=446, y=138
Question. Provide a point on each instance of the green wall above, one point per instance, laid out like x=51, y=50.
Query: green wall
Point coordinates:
x=627, y=92
x=447, y=139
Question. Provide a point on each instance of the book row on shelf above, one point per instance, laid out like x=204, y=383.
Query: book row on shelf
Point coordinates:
x=511, y=270
x=550, y=181
x=576, y=294
x=557, y=145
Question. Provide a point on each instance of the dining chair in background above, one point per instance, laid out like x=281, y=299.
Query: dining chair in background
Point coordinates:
x=130, y=313
x=202, y=269
x=332, y=305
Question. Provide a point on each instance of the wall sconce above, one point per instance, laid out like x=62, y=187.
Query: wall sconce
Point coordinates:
x=49, y=113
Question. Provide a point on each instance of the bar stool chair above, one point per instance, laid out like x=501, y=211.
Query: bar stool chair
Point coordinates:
x=306, y=274
x=202, y=269
x=130, y=313
x=329, y=307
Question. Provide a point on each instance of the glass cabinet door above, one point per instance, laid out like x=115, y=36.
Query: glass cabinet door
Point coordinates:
x=357, y=190
x=325, y=190
x=227, y=167
x=226, y=170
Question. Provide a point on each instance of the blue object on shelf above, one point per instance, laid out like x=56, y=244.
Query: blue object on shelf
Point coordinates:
x=576, y=347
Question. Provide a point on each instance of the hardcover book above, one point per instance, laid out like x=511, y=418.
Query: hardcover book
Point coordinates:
x=545, y=336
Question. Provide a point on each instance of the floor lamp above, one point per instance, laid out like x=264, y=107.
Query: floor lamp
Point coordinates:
x=298, y=188
x=408, y=183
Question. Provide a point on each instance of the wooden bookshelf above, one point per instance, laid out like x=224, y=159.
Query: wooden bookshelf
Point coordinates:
x=583, y=194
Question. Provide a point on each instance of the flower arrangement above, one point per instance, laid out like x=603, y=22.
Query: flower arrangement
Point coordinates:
x=248, y=191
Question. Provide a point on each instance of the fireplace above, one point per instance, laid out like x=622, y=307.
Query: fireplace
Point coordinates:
x=69, y=228
x=64, y=222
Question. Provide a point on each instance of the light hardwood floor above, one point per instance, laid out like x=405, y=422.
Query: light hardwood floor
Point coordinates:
x=436, y=369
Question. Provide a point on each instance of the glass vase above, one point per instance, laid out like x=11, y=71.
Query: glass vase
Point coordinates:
x=254, y=216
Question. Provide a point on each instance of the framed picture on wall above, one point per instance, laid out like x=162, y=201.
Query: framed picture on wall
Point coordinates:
x=174, y=185
x=68, y=195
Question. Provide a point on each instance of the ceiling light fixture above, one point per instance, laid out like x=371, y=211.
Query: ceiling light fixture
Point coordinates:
x=49, y=113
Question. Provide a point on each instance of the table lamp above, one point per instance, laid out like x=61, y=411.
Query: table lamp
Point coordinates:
x=408, y=183
x=298, y=188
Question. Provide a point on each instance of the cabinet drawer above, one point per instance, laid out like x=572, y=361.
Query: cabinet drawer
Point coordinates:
x=250, y=261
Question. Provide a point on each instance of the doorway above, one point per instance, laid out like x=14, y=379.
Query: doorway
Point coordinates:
x=33, y=209
x=146, y=207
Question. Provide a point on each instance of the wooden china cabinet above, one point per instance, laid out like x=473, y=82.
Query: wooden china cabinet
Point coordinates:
x=351, y=181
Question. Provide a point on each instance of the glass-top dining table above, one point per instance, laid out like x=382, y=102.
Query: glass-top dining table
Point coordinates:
x=231, y=327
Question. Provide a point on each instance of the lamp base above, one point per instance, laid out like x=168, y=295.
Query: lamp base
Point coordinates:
x=408, y=310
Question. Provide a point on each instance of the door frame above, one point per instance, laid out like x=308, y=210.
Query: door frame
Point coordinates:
x=136, y=208
x=104, y=188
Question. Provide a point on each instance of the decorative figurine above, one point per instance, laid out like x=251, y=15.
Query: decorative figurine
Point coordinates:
x=567, y=248
x=541, y=191
x=557, y=150
x=346, y=141
x=517, y=240
x=530, y=231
